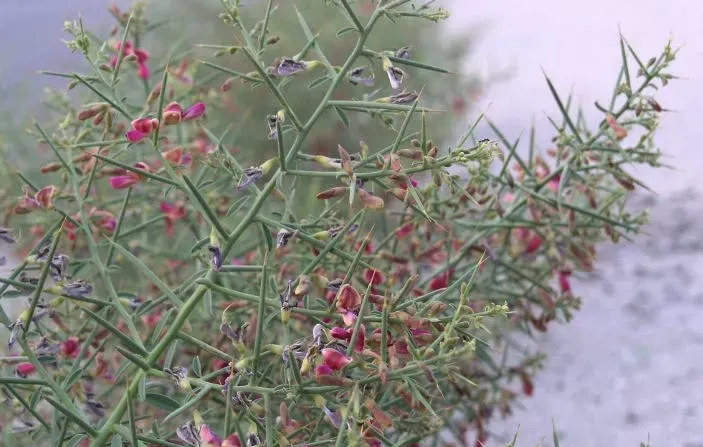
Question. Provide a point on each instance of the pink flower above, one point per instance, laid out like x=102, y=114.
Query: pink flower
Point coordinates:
x=44, y=195
x=180, y=73
x=24, y=369
x=40, y=199
x=349, y=318
x=174, y=113
x=130, y=178
x=553, y=184
x=145, y=125
x=141, y=128
x=194, y=112
x=208, y=438
x=422, y=335
x=323, y=370
x=103, y=219
x=348, y=298
x=335, y=359
x=123, y=181
x=172, y=213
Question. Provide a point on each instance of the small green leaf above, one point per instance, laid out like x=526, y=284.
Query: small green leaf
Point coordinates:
x=267, y=238
x=237, y=205
x=342, y=116
x=75, y=440
x=171, y=354
x=197, y=368
x=155, y=428
x=142, y=390
x=345, y=30
x=162, y=401
x=318, y=82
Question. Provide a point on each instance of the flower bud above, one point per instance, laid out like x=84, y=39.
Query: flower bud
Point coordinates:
x=90, y=112
x=51, y=167
x=227, y=85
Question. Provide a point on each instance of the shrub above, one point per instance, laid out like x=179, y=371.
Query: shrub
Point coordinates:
x=345, y=295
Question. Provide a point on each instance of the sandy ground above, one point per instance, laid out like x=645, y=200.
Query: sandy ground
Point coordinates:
x=628, y=366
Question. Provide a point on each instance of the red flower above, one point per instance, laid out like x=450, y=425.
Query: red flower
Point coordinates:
x=348, y=298
x=373, y=276
x=24, y=369
x=405, y=231
x=441, y=281
x=534, y=244
x=69, y=347
x=232, y=441
x=341, y=333
x=527, y=386
x=334, y=359
x=564, y=282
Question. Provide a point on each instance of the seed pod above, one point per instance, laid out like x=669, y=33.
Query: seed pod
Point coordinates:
x=412, y=154
x=332, y=192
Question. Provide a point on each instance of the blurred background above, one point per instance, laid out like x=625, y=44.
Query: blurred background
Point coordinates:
x=628, y=366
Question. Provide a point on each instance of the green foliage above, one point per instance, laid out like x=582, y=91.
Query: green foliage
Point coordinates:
x=296, y=292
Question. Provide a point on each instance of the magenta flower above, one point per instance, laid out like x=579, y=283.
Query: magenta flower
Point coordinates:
x=24, y=369
x=335, y=359
x=123, y=181
x=564, y=282
x=138, y=54
x=130, y=178
x=341, y=333
x=194, y=112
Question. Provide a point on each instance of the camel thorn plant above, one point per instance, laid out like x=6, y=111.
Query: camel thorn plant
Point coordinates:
x=176, y=294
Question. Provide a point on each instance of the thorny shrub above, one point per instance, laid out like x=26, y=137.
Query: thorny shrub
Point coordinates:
x=176, y=295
